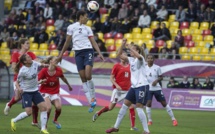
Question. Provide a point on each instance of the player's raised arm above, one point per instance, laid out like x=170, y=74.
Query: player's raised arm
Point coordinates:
x=120, y=50
x=95, y=45
x=136, y=53
x=67, y=83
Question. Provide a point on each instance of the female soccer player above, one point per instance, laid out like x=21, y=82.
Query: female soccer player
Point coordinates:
x=27, y=85
x=139, y=86
x=51, y=88
x=120, y=77
x=154, y=76
x=83, y=40
x=24, y=47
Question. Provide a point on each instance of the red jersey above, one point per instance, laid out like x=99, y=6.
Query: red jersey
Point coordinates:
x=122, y=76
x=52, y=84
x=15, y=58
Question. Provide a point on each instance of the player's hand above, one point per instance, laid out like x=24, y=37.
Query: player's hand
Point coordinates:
x=42, y=81
x=124, y=41
x=70, y=88
x=59, y=59
x=118, y=87
x=101, y=57
x=154, y=83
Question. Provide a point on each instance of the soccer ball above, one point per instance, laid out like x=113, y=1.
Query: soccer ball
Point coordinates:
x=92, y=6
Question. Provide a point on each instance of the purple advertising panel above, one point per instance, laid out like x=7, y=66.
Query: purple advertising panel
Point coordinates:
x=168, y=67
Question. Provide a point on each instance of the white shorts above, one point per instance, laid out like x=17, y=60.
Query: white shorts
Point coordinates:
x=118, y=96
x=51, y=96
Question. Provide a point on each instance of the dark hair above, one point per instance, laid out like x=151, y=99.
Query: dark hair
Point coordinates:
x=150, y=55
x=138, y=48
x=21, y=61
x=22, y=41
x=47, y=60
x=80, y=13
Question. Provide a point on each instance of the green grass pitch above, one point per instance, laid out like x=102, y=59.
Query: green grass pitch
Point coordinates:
x=77, y=120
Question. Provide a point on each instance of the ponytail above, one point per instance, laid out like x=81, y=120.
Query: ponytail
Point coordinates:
x=21, y=61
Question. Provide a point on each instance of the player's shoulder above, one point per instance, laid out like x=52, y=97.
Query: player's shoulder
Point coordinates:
x=58, y=69
x=156, y=66
x=72, y=25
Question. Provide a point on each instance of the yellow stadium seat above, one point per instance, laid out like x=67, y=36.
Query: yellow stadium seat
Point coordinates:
x=89, y=23
x=54, y=53
x=43, y=46
x=31, y=39
x=33, y=46
x=136, y=30
x=50, y=29
x=8, y=4
x=5, y=51
x=196, y=31
x=186, y=32
x=197, y=38
x=208, y=38
x=24, y=13
x=200, y=44
x=183, y=50
x=103, y=18
x=36, y=52
x=154, y=24
x=109, y=42
x=174, y=24
x=43, y=52
x=149, y=43
x=173, y=31
x=118, y=41
x=4, y=45
x=146, y=31
x=204, y=51
x=147, y=36
x=171, y=18
x=6, y=59
x=112, y=55
x=207, y=58
x=185, y=57
x=129, y=41
x=204, y=26
x=197, y=58
x=128, y=36
x=167, y=23
x=169, y=43
x=193, y=50
x=100, y=35
x=72, y=54
x=212, y=51
x=137, y=36
x=194, y=25
x=212, y=24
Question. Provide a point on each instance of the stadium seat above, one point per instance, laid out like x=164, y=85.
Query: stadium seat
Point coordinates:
x=4, y=45
x=50, y=22
x=212, y=51
x=50, y=29
x=174, y=25
x=137, y=36
x=129, y=41
x=173, y=31
x=196, y=31
x=169, y=43
x=118, y=42
x=146, y=31
x=206, y=32
x=107, y=36
x=8, y=4
x=194, y=25
x=184, y=25
x=6, y=59
x=171, y=18
x=111, y=48
x=136, y=30
x=147, y=36
x=5, y=51
x=31, y=39
x=103, y=10
x=103, y=18
x=212, y=23
x=185, y=57
x=207, y=58
x=208, y=38
x=188, y=38
x=24, y=13
x=193, y=50
x=160, y=43
x=33, y=46
x=100, y=35
x=139, y=42
x=154, y=24
x=43, y=46
x=186, y=32
x=66, y=53
x=189, y=44
x=204, y=51
x=109, y=42
x=52, y=47
x=43, y=52
x=36, y=52
x=128, y=36
x=183, y=50
x=89, y=23
x=166, y=22
x=118, y=36
x=198, y=38
x=200, y=44
x=71, y=54
x=149, y=43
x=204, y=26
x=54, y=53
x=196, y=58
x=112, y=55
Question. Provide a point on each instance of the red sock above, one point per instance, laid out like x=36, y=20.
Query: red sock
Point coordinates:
x=57, y=114
x=48, y=115
x=132, y=117
x=35, y=113
x=104, y=109
x=13, y=101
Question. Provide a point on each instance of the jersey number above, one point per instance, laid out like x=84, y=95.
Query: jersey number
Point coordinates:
x=51, y=83
x=90, y=56
x=126, y=74
x=141, y=94
x=80, y=30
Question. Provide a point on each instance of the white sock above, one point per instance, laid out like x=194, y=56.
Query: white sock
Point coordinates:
x=86, y=91
x=149, y=114
x=91, y=87
x=121, y=115
x=43, y=119
x=169, y=111
x=143, y=119
x=21, y=116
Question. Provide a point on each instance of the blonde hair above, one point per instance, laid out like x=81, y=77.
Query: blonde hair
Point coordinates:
x=47, y=60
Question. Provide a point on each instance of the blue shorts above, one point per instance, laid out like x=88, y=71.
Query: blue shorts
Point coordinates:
x=29, y=97
x=158, y=95
x=84, y=57
x=137, y=95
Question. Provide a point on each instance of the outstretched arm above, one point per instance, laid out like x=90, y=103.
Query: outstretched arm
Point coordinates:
x=120, y=50
x=95, y=45
x=67, y=83
x=136, y=54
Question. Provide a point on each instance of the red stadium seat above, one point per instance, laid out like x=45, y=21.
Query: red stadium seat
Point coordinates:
x=184, y=25
x=107, y=36
x=118, y=36
x=111, y=48
x=206, y=32
x=103, y=10
x=160, y=43
x=50, y=22
x=189, y=44
x=52, y=47
x=188, y=38
x=66, y=53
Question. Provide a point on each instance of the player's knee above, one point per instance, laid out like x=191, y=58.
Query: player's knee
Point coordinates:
x=29, y=112
x=58, y=107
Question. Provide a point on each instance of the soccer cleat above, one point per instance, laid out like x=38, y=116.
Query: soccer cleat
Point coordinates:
x=110, y=130
x=93, y=103
x=44, y=131
x=149, y=123
x=146, y=132
x=58, y=125
x=134, y=129
x=13, y=125
x=174, y=123
x=36, y=124
x=6, y=109
x=90, y=110
x=95, y=116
